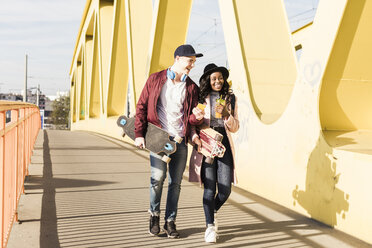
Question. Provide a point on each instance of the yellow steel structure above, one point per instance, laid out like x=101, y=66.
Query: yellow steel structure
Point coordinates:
x=119, y=44
x=108, y=58
x=305, y=140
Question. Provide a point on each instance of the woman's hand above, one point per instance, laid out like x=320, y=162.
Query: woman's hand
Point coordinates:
x=222, y=110
x=219, y=108
x=197, y=142
x=199, y=113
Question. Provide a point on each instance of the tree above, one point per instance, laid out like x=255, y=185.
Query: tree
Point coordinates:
x=61, y=111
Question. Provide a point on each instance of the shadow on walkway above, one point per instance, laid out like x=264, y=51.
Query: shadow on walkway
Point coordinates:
x=48, y=229
x=93, y=197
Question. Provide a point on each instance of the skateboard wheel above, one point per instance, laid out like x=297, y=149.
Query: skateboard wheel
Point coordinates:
x=178, y=139
x=218, y=137
x=168, y=147
x=166, y=159
x=209, y=160
x=123, y=122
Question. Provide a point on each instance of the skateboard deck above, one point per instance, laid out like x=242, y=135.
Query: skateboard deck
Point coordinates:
x=157, y=140
x=211, y=144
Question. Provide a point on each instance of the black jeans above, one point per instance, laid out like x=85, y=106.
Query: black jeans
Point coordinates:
x=217, y=175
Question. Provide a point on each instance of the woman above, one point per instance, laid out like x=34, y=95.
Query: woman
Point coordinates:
x=224, y=119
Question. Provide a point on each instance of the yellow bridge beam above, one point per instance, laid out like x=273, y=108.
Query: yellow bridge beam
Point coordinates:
x=305, y=139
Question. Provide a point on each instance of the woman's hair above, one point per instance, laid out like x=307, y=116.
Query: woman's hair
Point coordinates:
x=205, y=88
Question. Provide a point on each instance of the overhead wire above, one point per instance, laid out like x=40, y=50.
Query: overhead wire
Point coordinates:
x=205, y=32
x=205, y=16
x=303, y=19
x=301, y=13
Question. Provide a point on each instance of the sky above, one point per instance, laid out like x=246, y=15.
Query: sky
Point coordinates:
x=46, y=30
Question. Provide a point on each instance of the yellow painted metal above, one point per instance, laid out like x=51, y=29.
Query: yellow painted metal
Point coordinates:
x=346, y=114
x=139, y=21
x=73, y=98
x=78, y=88
x=118, y=78
x=81, y=29
x=95, y=108
x=105, y=17
x=129, y=53
x=111, y=57
x=293, y=161
x=270, y=66
x=170, y=25
x=88, y=58
x=345, y=99
x=81, y=80
x=301, y=35
x=305, y=135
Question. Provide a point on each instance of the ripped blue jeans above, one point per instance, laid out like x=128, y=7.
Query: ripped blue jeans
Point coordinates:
x=215, y=176
x=176, y=168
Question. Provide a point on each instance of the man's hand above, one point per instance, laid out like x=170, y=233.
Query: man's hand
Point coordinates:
x=197, y=142
x=139, y=142
x=199, y=113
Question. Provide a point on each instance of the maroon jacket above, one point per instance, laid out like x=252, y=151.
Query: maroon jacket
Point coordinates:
x=146, y=106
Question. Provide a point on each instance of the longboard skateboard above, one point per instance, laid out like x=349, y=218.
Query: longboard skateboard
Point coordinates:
x=157, y=140
x=211, y=144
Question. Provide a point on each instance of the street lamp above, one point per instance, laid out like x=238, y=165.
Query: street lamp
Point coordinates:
x=37, y=93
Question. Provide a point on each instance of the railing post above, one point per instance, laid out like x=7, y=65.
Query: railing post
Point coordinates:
x=2, y=127
x=23, y=115
x=25, y=145
x=16, y=118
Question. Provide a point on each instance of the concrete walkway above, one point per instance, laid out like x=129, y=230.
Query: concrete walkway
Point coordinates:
x=86, y=190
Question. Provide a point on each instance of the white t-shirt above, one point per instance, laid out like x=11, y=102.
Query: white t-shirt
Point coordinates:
x=170, y=107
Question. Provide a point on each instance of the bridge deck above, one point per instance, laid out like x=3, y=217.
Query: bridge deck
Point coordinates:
x=86, y=190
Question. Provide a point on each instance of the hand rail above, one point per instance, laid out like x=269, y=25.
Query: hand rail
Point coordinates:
x=19, y=126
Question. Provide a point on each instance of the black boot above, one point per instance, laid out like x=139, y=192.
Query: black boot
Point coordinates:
x=170, y=230
x=154, y=228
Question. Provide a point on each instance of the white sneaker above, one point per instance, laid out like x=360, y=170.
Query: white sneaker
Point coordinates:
x=215, y=222
x=210, y=235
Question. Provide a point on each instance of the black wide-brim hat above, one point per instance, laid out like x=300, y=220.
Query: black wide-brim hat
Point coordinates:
x=210, y=68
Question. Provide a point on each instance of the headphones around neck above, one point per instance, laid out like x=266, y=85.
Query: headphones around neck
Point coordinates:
x=172, y=75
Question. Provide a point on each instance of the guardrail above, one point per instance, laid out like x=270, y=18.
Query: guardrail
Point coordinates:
x=19, y=126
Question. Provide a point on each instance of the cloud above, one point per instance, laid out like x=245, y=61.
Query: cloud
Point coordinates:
x=22, y=11
x=44, y=29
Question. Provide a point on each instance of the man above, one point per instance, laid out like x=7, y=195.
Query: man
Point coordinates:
x=167, y=100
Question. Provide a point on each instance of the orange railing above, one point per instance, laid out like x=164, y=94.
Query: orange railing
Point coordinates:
x=19, y=126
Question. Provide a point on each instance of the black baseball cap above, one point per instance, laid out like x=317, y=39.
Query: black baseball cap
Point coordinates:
x=186, y=50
